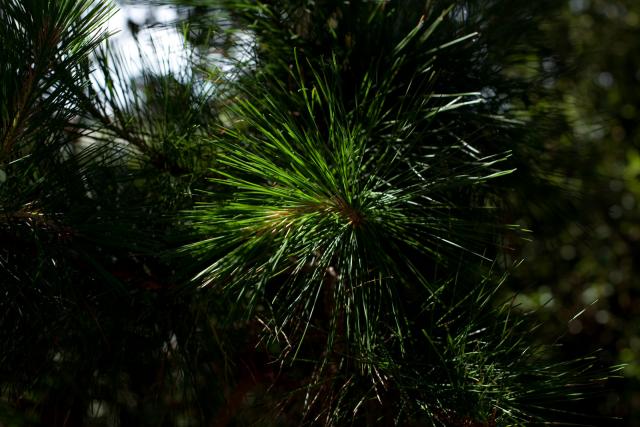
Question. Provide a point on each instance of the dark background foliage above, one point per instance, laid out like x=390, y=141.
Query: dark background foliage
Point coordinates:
x=586, y=258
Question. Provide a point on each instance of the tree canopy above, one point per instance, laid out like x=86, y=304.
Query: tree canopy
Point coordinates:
x=317, y=218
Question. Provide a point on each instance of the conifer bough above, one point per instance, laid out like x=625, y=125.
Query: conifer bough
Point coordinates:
x=335, y=204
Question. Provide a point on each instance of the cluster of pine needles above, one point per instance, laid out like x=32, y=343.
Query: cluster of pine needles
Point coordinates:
x=307, y=236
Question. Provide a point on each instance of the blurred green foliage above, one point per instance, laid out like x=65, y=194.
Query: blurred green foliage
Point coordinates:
x=586, y=254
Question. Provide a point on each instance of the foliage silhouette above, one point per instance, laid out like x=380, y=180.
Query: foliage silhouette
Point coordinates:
x=308, y=238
